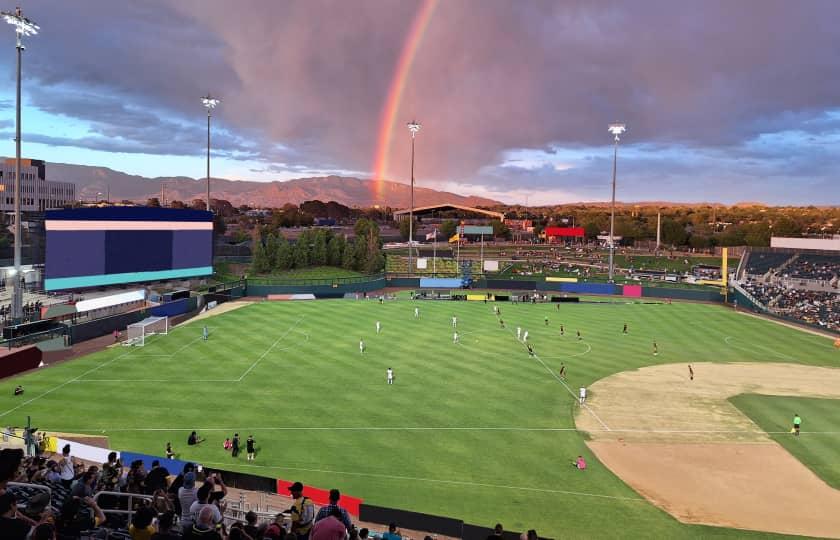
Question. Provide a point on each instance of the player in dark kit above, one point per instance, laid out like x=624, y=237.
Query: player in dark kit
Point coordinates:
x=502, y=323
x=530, y=350
x=690, y=372
x=578, y=335
x=235, y=448
x=546, y=321
x=625, y=329
x=562, y=371
x=250, y=447
x=562, y=330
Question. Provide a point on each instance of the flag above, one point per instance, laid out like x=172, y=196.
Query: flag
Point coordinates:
x=432, y=235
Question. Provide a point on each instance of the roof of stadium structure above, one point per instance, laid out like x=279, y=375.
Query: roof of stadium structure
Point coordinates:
x=449, y=206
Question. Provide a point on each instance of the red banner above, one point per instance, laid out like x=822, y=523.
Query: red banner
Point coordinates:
x=322, y=496
x=565, y=232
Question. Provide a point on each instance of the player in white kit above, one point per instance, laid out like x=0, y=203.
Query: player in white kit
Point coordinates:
x=361, y=347
x=525, y=336
x=378, y=327
x=417, y=313
x=390, y=375
x=455, y=337
x=454, y=321
x=518, y=332
x=582, y=398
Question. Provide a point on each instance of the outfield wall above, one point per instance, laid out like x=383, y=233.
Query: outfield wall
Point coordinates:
x=318, y=290
x=19, y=360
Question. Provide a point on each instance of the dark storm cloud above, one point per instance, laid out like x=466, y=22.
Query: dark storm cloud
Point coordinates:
x=304, y=84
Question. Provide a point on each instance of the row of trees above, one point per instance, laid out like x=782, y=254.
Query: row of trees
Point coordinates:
x=320, y=247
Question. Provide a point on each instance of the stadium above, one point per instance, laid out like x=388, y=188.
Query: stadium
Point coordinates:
x=483, y=420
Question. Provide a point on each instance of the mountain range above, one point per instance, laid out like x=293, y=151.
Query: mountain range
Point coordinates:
x=94, y=183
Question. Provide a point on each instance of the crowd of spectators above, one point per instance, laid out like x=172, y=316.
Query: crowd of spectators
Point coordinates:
x=31, y=311
x=189, y=506
x=819, y=267
x=815, y=307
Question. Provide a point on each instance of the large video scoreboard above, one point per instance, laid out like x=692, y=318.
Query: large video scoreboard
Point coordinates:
x=91, y=247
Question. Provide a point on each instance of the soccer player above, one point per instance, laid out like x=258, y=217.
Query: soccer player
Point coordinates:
x=557, y=307
x=502, y=323
x=797, y=423
x=582, y=394
x=519, y=332
x=562, y=330
x=624, y=331
x=417, y=313
x=204, y=333
x=454, y=321
x=389, y=374
x=562, y=371
x=361, y=347
x=690, y=372
x=530, y=350
x=578, y=335
x=546, y=321
x=170, y=454
x=455, y=337
x=655, y=349
x=378, y=327
x=234, y=447
x=250, y=447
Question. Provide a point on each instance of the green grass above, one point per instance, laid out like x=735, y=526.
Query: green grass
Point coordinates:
x=816, y=447
x=446, y=439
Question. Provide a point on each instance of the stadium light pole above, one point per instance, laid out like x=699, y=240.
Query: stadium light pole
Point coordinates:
x=616, y=130
x=413, y=128
x=209, y=103
x=23, y=27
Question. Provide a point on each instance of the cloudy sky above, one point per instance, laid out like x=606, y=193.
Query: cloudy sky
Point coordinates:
x=724, y=101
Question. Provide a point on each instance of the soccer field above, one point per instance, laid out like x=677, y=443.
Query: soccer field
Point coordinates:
x=477, y=430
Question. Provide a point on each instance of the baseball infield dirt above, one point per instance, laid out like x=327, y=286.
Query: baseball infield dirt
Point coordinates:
x=685, y=448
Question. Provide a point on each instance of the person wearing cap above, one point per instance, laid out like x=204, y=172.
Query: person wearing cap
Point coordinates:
x=329, y=528
x=186, y=496
x=13, y=525
x=303, y=512
x=325, y=511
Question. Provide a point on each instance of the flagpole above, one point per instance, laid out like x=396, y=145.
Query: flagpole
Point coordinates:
x=434, y=255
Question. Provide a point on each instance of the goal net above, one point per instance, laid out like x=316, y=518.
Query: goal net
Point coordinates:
x=137, y=333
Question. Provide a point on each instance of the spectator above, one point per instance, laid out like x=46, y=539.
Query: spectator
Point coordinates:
x=44, y=531
x=237, y=532
x=219, y=489
x=303, y=512
x=178, y=483
x=37, y=506
x=79, y=515
x=111, y=473
x=84, y=486
x=10, y=459
x=141, y=527
x=66, y=467
x=330, y=527
x=363, y=533
x=166, y=521
x=498, y=532
x=161, y=502
x=12, y=525
x=156, y=479
x=203, y=501
x=204, y=527
x=187, y=495
x=393, y=533
x=275, y=530
x=136, y=478
x=53, y=472
x=530, y=535
x=325, y=511
x=251, y=526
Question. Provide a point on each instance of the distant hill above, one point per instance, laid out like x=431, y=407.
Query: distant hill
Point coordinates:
x=348, y=191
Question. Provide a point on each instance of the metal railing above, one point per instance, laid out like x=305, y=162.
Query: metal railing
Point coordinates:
x=314, y=281
x=131, y=498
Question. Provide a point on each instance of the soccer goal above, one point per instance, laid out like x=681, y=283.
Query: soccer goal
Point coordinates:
x=137, y=333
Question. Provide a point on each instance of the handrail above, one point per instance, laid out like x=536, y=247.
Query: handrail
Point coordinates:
x=118, y=494
x=39, y=487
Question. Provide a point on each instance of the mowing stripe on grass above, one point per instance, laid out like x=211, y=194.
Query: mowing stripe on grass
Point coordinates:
x=263, y=355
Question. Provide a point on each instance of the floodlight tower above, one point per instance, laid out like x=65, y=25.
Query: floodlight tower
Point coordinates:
x=209, y=103
x=616, y=130
x=413, y=128
x=23, y=27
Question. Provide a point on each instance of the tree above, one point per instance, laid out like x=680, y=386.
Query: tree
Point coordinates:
x=374, y=261
x=335, y=250
x=500, y=230
x=301, y=254
x=283, y=259
x=591, y=229
x=177, y=204
x=448, y=229
x=219, y=225
x=319, y=248
x=260, y=263
x=404, y=225
x=673, y=233
x=154, y=201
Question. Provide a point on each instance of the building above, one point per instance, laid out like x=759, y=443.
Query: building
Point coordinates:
x=37, y=193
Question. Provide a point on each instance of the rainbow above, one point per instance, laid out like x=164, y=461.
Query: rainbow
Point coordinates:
x=395, y=93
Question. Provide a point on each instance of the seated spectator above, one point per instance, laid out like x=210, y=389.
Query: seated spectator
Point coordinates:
x=237, y=532
x=156, y=479
x=84, y=486
x=326, y=510
x=275, y=530
x=10, y=460
x=44, y=531
x=330, y=527
x=78, y=515
x=364, y=533
x=251, y=526
x=141, y=527
x=392, y=534
x=204, y=526
x=52, y=474
x=166, y=522
x=38, y=506
x=13, y=526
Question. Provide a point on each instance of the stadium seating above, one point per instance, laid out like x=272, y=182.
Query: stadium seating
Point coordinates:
x=761, y=262
x=819, y=267
x=397, y=264
x=821, y=308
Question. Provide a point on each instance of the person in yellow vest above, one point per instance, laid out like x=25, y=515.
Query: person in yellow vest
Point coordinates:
x=303, y=512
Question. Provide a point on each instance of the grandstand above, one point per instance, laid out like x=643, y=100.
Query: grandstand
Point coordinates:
x=799, y=284
x=398, y=264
